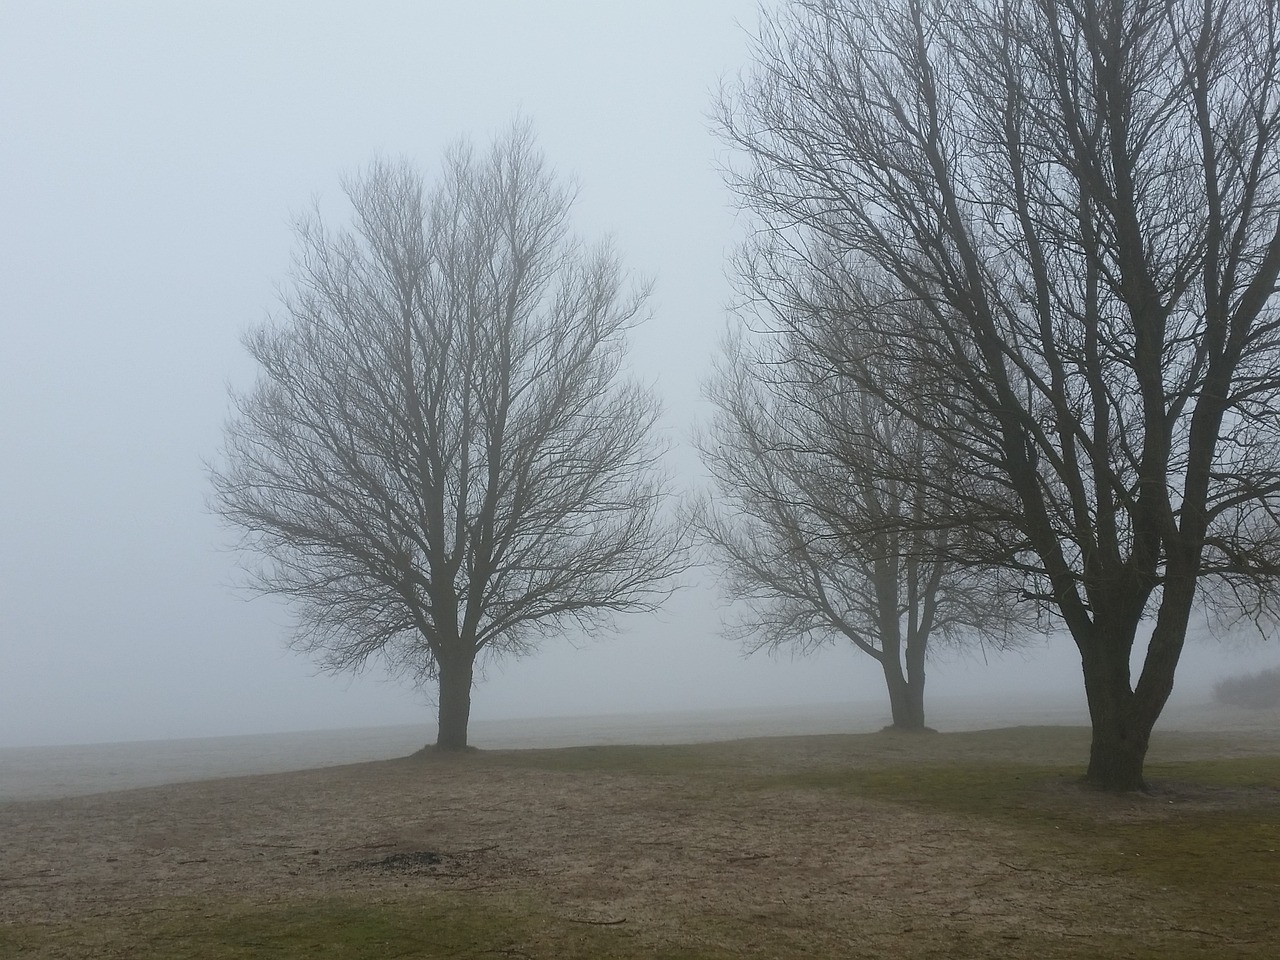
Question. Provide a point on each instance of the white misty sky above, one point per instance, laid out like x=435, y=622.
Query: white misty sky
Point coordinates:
x=152, y=154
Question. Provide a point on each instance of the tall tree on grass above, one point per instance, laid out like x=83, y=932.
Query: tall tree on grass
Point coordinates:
x=441, y=459
x=815, y=543
x=1084, y=197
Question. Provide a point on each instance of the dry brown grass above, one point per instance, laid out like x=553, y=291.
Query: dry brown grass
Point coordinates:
x=977, y=844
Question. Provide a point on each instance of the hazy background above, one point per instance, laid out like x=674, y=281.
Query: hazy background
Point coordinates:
x=150, y=157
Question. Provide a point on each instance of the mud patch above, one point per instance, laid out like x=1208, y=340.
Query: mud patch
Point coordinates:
x=416, y=861
x=479, y=865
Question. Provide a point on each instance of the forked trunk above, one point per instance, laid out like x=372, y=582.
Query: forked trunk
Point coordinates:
x=455, y=704
x=906, y=697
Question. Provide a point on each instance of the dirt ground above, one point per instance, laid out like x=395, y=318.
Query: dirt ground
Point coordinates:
x=600, y=846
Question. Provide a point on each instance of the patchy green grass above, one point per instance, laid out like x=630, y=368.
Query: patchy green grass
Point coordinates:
x=1208, y=832
x=1202, y=848
x=987, y=790
x=1022, y=792
x=442, y=926
x=1236, y=772
x=677, y=760
x=477, y=927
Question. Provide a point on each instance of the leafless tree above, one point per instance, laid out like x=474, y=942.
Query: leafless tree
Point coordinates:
x=441, y=459
x=1084, y=198
x=816, y=542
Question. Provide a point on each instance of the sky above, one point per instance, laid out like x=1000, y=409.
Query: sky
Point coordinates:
x=152, y=157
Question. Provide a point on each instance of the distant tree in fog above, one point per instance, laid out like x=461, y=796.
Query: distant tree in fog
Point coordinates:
x=441, y=459
x=816, y=542
x=1255, y=691
x=1084, y=199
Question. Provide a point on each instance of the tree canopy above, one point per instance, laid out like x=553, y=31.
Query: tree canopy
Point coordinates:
x=442, y=459
x=1082, y=198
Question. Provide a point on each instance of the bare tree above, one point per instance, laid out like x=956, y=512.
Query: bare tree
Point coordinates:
x=1084, y=197
x=816, y=543
x=441, y=459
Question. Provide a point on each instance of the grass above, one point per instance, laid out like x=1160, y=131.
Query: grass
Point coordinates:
x=1223, y=864
x=683, y=759
x=443, y=926
x=477, y=927
x=1214, y=866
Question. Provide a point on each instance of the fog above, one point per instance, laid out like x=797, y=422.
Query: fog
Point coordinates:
x=153, y=154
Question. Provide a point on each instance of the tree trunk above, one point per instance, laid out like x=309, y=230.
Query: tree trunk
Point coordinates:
x=1116, y=754
x=906, y=697
x=455, y=704
x=1120, y=734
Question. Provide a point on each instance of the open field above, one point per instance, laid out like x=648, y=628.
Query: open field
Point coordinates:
x=977, y=844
